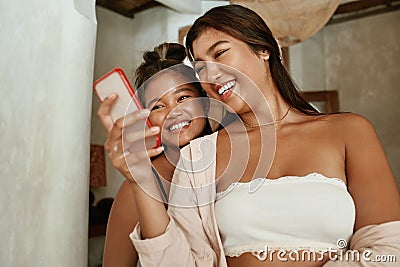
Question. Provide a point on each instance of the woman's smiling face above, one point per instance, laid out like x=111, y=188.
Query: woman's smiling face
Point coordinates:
x=176, y=107
x=228, y=67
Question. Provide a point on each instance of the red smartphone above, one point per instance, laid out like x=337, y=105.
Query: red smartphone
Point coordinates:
x=115, y=81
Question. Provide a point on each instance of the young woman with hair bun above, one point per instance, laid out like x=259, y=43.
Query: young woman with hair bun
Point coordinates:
x=173, y=88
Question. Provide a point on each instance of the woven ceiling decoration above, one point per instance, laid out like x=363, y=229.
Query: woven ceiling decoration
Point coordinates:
x=292, y=21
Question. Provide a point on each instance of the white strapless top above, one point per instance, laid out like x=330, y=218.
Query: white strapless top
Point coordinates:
x=311, y=212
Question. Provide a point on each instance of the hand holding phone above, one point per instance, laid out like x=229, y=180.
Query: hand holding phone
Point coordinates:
x=115, y=81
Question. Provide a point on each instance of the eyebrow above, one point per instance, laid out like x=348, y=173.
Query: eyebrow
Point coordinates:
x=177, y=91
x=211, y=48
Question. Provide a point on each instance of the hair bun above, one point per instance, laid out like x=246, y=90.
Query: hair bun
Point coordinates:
x=176, y=51
x=150, y=57
x=165, y=51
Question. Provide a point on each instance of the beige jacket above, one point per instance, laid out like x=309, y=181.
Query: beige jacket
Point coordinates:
x=192, y=237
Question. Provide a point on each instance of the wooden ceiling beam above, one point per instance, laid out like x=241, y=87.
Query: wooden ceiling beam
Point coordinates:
x=127, y=8
x=359, y=9
x=344, y=12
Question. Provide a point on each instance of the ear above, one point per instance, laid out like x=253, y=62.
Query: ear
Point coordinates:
x=264, y=54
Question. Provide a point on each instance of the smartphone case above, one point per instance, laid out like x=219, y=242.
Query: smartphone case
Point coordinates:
x=115, y=81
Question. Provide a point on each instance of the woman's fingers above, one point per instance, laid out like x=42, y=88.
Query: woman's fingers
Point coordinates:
x=121, y=157
x=134, y=136
x=136, y=164
x=133, y=118
x=115, y=134
x=155, y=151
x=104, y=112
x=123, y=151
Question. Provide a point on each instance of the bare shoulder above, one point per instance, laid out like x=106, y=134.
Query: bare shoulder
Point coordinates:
x=124, y=200
x=346, y=119
x=357, y=134
x=349, y=125
x=125, y=188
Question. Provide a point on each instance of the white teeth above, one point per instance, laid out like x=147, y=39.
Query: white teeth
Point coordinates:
x=226, y=87
x=179, y=125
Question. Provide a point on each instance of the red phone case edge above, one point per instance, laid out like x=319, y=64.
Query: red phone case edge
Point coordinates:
x=131, y=92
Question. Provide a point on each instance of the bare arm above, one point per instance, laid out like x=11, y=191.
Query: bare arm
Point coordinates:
x=118, y=248
x=374, y=190
x=370, y=179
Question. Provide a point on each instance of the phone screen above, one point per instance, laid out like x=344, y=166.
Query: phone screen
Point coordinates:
x=115, y=81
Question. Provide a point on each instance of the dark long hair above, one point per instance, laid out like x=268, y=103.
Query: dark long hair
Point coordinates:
x=247, y=26
x=168, y=56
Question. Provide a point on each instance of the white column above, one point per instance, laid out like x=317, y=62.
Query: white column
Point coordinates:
x=46, y=74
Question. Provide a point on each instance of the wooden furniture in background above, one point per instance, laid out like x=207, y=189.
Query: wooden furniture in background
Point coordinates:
x=97, y=166
x=328, y=100
x=98, y=214
x=182, y=33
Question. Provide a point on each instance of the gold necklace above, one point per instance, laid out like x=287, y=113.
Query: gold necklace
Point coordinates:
x=268, y=123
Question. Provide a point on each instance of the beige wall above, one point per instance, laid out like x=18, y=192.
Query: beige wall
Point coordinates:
x=360, y=59
x=46, y=71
